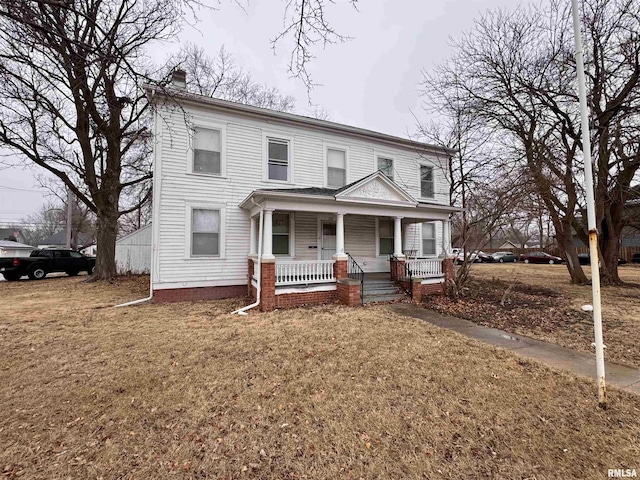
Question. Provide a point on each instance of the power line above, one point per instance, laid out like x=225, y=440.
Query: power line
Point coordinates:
x=19, y=189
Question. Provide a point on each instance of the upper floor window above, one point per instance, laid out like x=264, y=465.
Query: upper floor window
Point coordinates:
x=336, y=168
x=278, y=159
x=428, y=239
x=426, y=182
x=205, y=232
x=206, y=151
x=385, y=165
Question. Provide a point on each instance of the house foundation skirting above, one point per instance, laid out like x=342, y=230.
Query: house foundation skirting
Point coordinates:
x=198, y=293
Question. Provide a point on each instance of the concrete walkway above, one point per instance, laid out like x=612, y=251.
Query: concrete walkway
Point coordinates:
x=553, y=355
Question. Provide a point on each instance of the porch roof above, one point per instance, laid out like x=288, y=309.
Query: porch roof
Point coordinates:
x=375, y=194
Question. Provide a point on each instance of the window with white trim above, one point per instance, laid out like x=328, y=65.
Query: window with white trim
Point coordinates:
x=278, y=159
x=281, y=230
x=385, y=236
x=385, y=165
x=426, y=182
x=206, y=151
x=336, y=168
x=205, y=232
x=428, y=239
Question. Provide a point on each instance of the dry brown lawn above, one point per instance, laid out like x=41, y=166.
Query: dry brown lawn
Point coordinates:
x=187, y=391
x=567, y=324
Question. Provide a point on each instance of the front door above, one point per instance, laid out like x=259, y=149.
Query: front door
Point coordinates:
x=328, y=240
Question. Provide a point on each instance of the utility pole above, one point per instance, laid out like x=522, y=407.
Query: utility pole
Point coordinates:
x=591, y=210
x=69, y=215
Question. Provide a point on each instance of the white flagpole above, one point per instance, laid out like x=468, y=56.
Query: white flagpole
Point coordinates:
x=591, y=211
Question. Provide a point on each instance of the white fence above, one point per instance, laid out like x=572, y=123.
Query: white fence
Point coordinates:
x=304, y=272
x=425, y=268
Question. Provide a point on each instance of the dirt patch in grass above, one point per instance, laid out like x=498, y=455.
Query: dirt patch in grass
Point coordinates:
x=188, y=391
x=541, y=303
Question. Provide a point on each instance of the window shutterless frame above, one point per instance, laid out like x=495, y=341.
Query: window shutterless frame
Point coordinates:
x=336, y=165
x=385, y=165
x=278, y=157
x=206, y=153
x=426, y=179
x=384, y=236
x=203, y=232
x=428, y=236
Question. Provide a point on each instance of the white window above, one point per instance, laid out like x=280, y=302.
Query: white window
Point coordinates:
x=385, y=165
x=385, y=236
x=426, y=182
x=336, y=168
x=281, y=234
x=207, y=148
x=278, y=159
x=205, y=232
x=428, y=239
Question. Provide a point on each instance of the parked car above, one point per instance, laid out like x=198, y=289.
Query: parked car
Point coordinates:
x=504, y=257
x=540, y=257
x=42, y=262
x=585, y=259
x=475, y=257
x=635, y=258
x=483, y=257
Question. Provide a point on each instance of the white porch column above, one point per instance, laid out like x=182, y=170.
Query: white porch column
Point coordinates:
x=340, y=235
x=397, y=237
x=267, y=241
x=253, y=236
x=404, y=245
x=446, y=237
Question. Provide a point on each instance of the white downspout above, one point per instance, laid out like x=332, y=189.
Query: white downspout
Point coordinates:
x=243, y=310
x=153, y=244
x=142, y=299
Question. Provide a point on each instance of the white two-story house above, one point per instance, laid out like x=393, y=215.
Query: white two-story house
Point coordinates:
x=282, y=206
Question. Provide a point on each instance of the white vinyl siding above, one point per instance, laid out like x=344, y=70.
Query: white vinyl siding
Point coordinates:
x=243, y=167
x=428, y=239
x=336, y=168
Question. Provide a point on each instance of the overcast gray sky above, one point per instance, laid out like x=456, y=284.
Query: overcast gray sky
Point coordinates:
x=370, y=81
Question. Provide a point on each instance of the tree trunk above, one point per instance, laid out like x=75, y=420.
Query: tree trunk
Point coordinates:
x=107, y=231
x=609, y=261
x=565, y=242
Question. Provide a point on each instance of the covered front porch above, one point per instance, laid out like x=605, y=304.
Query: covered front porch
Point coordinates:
x=315, y=245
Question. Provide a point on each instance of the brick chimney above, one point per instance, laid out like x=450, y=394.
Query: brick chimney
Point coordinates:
x=179, y=79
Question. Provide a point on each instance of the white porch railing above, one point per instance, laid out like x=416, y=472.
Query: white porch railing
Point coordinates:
x=304, y=272
x=425, y=268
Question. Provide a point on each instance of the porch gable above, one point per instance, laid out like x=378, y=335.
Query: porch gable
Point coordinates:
x=377, y=188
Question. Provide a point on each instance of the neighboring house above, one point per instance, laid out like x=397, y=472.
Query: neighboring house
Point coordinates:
x=85, y=243
x=133, y=252
x=508, y=245
x=14, y=249
x=327, y=200
x=12, y=234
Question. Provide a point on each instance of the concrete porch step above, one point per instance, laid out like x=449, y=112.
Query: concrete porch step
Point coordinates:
x=379, y=289
x=391, y=297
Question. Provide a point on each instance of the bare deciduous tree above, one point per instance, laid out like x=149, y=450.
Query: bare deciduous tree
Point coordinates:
x=219, y=77
x=518, y=75
x=70, y=90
